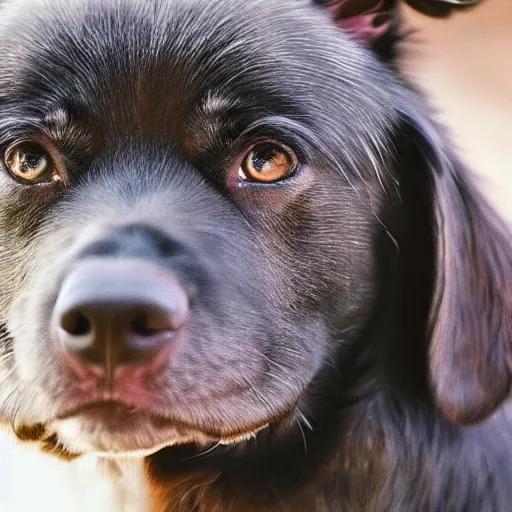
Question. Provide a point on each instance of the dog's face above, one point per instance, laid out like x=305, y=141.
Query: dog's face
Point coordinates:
x=189, y=140
x=191, y=200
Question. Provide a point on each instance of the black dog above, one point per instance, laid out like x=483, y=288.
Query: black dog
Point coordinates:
x=234, y=241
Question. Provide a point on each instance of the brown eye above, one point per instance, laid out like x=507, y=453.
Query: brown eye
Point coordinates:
x=30, y=162
x=268, y=162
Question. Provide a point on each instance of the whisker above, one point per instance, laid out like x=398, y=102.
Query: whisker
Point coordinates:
x=202, y=454
x=304, y=419
x=258, y=395
x=285, y=382
x=290, y=350
x=303, y=437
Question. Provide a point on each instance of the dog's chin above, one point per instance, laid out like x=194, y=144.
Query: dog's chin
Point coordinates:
x=136, y=434
x=139, y=437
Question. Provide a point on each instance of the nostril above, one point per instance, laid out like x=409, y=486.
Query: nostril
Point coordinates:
x=149, y=323
x=141, y=325
x=76, y=323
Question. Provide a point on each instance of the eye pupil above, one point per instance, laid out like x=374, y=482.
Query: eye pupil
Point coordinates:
x=263, y=157
x=31, y=161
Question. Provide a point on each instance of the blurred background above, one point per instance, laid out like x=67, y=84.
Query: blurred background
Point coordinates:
x=464, y=63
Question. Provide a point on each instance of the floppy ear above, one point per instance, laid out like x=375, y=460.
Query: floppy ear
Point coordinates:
x=471, y=310
x=372, y=22
x=376, y=23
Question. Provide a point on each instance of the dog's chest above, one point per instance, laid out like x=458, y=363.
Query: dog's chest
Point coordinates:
x=35, y=482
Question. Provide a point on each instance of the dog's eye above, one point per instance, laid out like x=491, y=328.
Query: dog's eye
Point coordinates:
x=30, y=162
x=268, y=162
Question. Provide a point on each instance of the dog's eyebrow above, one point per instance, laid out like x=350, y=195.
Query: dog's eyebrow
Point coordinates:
x=207, y=121
x=213, y=104
x=57, y=119
x=60, y=125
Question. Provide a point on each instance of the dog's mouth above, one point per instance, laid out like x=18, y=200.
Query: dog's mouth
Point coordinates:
x=112, y=428
x=113, y=412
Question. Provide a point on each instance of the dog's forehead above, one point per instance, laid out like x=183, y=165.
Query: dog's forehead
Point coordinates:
x=131, y=41
x=128, y=38
x=149, y=64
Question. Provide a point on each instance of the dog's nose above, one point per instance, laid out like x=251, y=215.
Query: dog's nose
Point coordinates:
x=117, y=311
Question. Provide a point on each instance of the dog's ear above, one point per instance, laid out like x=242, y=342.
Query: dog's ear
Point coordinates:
x=471, y=310
x=372, y=22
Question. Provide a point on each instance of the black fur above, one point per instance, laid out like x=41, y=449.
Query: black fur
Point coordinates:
x=361, y=307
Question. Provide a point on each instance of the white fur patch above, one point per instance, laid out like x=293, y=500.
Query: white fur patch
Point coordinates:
x=30, y=481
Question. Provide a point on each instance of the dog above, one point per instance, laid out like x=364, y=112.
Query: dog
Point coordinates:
x=237, y=249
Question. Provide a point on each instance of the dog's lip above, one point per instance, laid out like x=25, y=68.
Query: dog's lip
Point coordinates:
x=106, y=406
x=115, y=416
x=118, y=410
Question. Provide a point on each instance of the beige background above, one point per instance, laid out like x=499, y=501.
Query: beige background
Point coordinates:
x=466, y=65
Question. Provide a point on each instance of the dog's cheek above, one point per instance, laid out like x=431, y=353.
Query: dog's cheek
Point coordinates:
x=322, y=253
x=317, y=254
x=23, y=212
x=39, y=259
x=21, y=403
